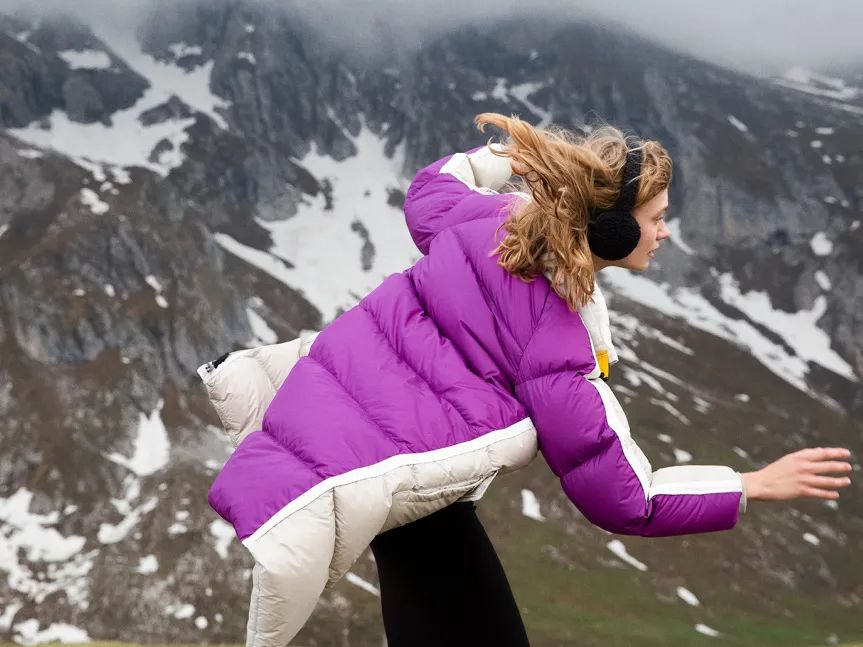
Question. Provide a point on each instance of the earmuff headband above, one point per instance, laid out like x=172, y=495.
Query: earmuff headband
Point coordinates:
x=614, y=234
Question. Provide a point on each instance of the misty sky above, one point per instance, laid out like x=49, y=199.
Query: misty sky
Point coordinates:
x=760, y=36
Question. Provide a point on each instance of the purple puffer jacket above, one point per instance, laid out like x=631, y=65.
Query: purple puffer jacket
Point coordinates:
x=444, y=376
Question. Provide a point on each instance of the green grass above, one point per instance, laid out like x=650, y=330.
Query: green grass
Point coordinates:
x=594, y=605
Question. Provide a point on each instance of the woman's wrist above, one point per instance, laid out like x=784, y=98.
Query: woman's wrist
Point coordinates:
x=752, y=485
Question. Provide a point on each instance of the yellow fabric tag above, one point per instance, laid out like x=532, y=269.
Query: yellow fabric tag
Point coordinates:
x=602, y=362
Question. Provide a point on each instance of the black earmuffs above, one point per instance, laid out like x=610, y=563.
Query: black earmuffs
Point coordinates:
x=614, y=234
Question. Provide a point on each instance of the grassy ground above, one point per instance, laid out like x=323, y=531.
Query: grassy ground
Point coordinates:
x=580, y=602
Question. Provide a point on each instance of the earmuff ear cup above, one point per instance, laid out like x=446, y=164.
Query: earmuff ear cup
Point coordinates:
x=613, y=235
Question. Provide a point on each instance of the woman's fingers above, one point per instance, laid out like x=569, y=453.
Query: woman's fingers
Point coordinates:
x=828, y=467
x=828, y=481
x=823, y=453
x=820, y=494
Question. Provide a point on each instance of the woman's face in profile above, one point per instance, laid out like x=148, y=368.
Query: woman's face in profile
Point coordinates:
x=651, y=219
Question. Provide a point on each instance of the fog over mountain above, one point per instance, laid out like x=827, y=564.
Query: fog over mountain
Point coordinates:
x=763, y=37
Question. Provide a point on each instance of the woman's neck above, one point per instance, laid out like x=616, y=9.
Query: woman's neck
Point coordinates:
x=599, y=263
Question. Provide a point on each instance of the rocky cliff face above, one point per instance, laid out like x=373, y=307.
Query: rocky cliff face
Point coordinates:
x=227, y=177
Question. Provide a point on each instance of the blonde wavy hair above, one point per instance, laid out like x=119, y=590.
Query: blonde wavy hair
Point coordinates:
x=569, y=175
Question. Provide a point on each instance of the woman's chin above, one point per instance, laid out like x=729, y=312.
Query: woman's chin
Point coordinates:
x=635, y=265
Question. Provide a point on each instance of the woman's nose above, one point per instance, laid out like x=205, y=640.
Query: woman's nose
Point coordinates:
x=663, y=232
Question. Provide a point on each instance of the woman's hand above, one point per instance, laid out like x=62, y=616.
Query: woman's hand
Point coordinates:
x=800, y=474
x=518, y=167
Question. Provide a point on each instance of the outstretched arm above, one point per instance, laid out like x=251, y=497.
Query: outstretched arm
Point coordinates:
x=585, y=438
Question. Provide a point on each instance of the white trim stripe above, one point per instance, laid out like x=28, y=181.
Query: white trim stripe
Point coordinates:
x=381, y=468
x=695, y=487
x=617, y=421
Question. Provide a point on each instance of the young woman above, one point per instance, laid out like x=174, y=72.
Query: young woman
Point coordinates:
x=495, y=344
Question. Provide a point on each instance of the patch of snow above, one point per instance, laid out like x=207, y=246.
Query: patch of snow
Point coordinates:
x=356, y=580
x=79, y=292
x=821, y=245
x=8, y=615
x=738, y=124
x=687, y=596
x=32, y=533
x=180, y=611
x=823, y=280
x=798, y=330
x=109, y=290
x=201, y=622
x=742, y=397
x=91, y=199
x=681, y=455
x=833, y=505
x=4, y=229
x=177, y=528
x=147, y=565
x=121, y=176
x=707, y=631
x=665, y=438
x=676, y=239
x=152, y=448
x=113, y=533
x=250, y=29
x=261, y=331
x=804, y=80
x=30, y=153
x=247, y=56
x=740, y=452
x=224, y=534
x=628, y=327
x=28, y=633
x=530, y=505
x=88, y=59
x=690, y=306
x=816, y=143
x=179, y=50
x=479, y=96
x=27, y=538
x=812, y=539
x=499, y=91
x=670, y=409
x=829, y=199
x=840, y=158
x=92, y=145
x=827, y=160
x=701, y=405
x=319, y=242
x=522, y=91
x=153, y=282
x=824, y=130
x=619, y=549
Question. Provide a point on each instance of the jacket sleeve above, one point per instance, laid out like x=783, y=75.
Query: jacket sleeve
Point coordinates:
x=439, y=187
x=585, y=438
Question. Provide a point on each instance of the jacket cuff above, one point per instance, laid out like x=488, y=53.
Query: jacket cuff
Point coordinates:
x=491, y=171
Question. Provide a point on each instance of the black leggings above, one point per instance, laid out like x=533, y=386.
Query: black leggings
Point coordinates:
x=443, y=584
